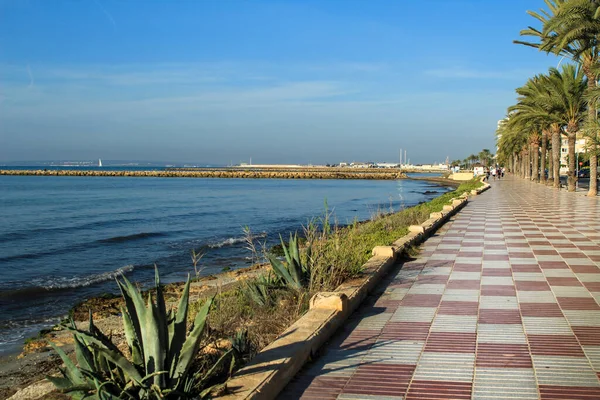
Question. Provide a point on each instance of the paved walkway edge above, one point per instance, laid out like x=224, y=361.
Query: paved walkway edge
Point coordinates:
x=273, y=368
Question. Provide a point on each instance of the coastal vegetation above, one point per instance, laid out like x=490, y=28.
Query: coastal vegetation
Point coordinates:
x=234, y=323
x=562, y=103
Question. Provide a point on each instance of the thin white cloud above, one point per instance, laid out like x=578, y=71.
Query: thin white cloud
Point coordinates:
x=108, y=15
x=470, y=73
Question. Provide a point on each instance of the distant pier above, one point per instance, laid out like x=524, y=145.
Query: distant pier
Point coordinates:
x=239, y=173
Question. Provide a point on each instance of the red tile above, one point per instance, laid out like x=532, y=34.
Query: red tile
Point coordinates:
x=540, y=310
x=359, y=338
x=592, y=286
x=464, y=284
x=451, y=342
x=498, y=290
x=494, y=316
x=562, y=281
x=539, y=243
x=521, y=254
x=470, y=254
x=587, y=335
x=563, y=245
x=430, y=390
x=545, y=252
x=577, y=303
x=315, y=387
x=553, y=265
x=585, y=269
x=388, y=306
x=525, y=268
x=555, y=345
x=431, y=279
x=550, y=392
x=405, y=331
x=421, y=300
x=446, y=251
x=502, y=355
x=518, y=245
x=573, y=255
x=380, y=379
x=458, y=308
x=467, y=267
x=495, y=247
x=532, y=286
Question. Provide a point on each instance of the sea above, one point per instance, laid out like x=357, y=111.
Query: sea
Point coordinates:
x=65, y=239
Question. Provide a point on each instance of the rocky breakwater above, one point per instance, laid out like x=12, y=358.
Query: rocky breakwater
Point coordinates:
x=311, y=173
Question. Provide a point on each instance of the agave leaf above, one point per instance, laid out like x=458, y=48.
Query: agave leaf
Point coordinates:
x=84, y=356
x=294, y=250
x=132, y=339
x=281, y=271
x=285, y=249
x=71, y=371
x=162, y=316
x=60, y=383
x=178, y=329
x=135, y=307
x=118, y=359
x=99, y=339
x=154, y=353
x=190, y=347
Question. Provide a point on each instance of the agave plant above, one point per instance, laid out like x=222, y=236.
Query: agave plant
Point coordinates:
x=293, y=272
x=161, y=352
x=259, y=289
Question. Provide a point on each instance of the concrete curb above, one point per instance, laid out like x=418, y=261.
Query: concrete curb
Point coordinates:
x=273, y=368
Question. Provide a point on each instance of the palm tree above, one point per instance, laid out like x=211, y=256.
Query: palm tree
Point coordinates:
x=485, y=157
x=572, y=29
x=567, y=88
x=533, y=114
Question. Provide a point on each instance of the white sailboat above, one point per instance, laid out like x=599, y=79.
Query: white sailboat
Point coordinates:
x=99, y=162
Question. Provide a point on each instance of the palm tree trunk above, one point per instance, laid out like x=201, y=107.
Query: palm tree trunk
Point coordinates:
x=550, y=180
x=592, y=116
x=542, y=170
x=556, y=157
x=571, y=138
x=535, y=168
x=528, y=162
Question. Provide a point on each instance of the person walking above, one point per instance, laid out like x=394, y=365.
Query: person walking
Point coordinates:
x=494, y=173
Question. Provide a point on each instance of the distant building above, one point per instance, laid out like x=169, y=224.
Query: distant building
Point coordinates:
x=580, y=147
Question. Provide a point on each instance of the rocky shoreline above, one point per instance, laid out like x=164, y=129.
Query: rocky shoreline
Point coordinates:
x=309, y=173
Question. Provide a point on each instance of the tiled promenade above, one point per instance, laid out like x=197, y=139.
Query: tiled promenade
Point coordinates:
x=502, y=303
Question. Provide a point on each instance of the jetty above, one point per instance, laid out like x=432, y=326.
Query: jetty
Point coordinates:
x=237, y=173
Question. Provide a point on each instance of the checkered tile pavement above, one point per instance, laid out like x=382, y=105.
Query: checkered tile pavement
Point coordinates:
x=502, y=303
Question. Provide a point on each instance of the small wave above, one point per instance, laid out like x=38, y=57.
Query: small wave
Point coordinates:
x=71, y=283
x=65, y=283
x=135, y=236
x=233, y=241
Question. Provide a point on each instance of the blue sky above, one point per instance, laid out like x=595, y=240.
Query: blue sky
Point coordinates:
x=279, y=81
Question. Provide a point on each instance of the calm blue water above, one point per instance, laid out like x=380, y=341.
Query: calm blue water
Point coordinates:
x=63, y=239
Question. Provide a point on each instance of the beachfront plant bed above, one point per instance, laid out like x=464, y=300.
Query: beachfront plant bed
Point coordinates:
x=337, y=254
